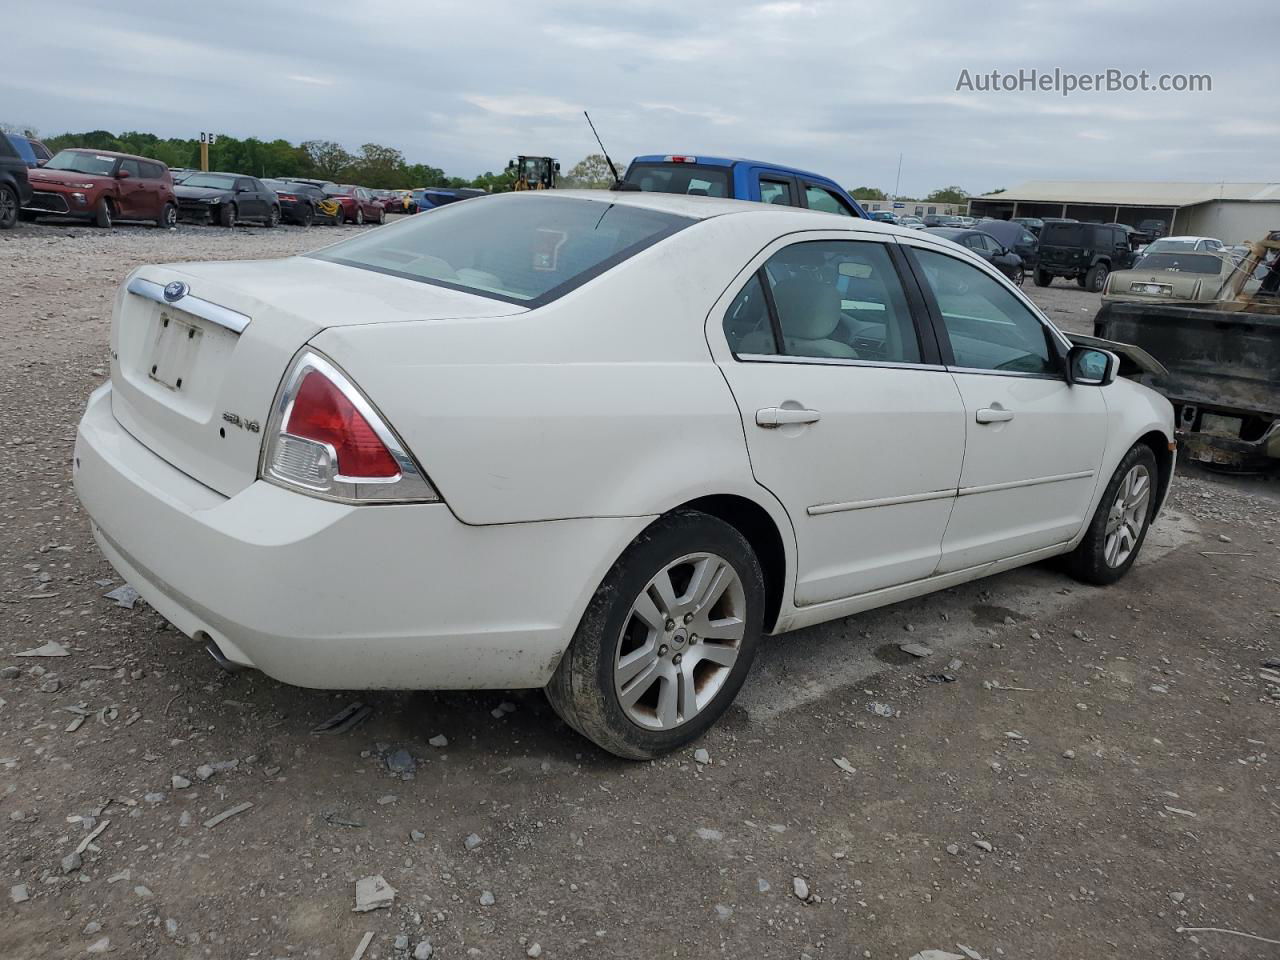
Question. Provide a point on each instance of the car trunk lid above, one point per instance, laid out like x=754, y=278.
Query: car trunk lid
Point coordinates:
x=193, y=379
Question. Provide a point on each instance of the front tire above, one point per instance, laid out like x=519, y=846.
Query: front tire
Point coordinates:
x=102, y=214
x=308, y=216
x=1119, y=526
x=227, y=215
x=359, y=216
x=666, y=641
x=1043, y=278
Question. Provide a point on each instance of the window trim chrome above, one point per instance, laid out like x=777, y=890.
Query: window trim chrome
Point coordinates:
x=836, y=361
x=204, y=309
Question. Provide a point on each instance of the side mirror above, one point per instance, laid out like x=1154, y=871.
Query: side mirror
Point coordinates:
x=1091, y=367
x=122, y=174
x=41, y=162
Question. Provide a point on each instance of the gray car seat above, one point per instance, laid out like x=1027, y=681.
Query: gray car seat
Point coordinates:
x=809, y=313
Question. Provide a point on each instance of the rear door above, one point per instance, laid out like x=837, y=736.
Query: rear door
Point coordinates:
x=1034, y=443
x=849, y=419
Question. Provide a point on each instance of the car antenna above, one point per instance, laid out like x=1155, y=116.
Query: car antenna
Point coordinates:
x=617, y=180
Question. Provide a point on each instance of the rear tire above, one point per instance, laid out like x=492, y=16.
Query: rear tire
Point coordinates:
x=1096, y=278
x=687, y=571
x=102, y=214
x=1043, y=278
x=273, y=218
x=1120, y=524
x=8, y=207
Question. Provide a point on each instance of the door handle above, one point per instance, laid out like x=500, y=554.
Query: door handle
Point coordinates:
x=777, y=416
x=993, y=415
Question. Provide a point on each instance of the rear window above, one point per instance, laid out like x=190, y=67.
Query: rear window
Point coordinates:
x=522, y=248
x=1062, y=234
x=687, y=178
x=1180, y=262
x=8, y=146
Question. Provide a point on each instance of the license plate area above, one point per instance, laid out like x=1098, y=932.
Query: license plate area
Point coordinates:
x=174, y=351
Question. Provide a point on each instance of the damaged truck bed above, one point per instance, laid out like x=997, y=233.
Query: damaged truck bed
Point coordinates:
x=1221, y=362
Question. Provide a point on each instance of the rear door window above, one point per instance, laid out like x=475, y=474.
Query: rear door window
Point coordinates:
x=776, y=191
x=831, y=299
x=820, y=198
x=131, y=167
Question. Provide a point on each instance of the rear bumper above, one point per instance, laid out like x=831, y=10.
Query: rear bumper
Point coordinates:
x=327, y=595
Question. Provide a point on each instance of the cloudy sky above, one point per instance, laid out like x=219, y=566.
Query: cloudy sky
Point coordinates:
x=838, y=87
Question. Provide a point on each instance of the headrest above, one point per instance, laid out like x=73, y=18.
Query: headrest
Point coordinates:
x=808, y=307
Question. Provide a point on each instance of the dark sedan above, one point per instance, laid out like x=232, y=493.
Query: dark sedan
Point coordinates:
x=225, y=198
x=985, y=246
x=303, y=203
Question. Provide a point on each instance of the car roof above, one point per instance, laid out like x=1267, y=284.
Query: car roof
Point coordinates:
x=706, y=161
x=704, y=208
x=114, y=153
x=1187, y=239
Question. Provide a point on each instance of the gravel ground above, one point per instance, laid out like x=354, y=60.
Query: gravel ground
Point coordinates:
x=1098, y=777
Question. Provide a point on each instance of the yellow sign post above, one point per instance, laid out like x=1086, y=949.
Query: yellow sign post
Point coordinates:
x=206, y=141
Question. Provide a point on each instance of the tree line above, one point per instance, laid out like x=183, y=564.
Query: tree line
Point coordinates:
x=374, y=165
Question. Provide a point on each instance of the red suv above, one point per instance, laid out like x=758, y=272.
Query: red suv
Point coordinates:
x=102, y=186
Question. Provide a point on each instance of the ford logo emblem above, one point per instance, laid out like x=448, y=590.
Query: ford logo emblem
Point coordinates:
x=175, y=291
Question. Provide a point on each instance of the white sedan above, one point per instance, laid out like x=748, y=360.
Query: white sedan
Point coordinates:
x=596, y=442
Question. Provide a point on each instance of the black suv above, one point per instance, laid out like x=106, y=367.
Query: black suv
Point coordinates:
x=15, y=191
x=1085, y=251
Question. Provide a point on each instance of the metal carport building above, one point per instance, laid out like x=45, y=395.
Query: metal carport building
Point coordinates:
x=1232, y=212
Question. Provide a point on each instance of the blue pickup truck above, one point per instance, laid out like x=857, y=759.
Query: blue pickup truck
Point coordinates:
x=741, y=179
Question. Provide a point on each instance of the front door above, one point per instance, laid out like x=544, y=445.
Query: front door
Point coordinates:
x=1034, y=442
x=131, y=191
x=849, y=418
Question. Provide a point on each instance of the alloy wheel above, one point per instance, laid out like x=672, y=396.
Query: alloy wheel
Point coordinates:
x=680, y=641
x=1128, y=516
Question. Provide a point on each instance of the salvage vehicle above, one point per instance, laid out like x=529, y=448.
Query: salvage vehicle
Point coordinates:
x=1034, y=224
x=1153, y=229
x=226, y=199
x=1086, y=252
x=1183, y=245
x=356, y=203
x=1221, y=361
x=33, y=152
x=15, y=190
x=1170, y=277
x=986, y=246
x=432, y=197
x=1015, y=237
x=704, y=176
x=102, y=187
x=303, y=203
x=598, y=443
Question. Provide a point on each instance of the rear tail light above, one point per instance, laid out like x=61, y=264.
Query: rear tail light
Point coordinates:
x=326, y=439
x=286, y=196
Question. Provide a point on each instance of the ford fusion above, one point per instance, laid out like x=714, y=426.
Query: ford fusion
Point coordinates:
x=598, y=443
